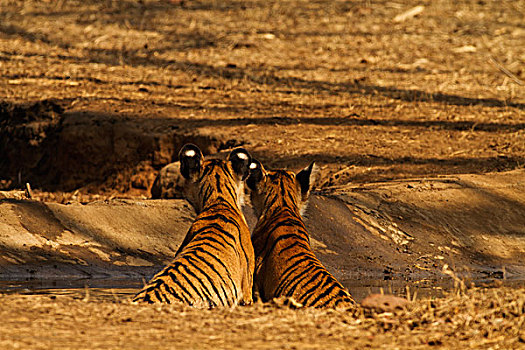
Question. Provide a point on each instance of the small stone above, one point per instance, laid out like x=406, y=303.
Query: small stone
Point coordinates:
x=384, y=302
x=169, y=183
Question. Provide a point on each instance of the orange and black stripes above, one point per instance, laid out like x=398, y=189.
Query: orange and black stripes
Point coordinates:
x=285, y=263
x=214, y=264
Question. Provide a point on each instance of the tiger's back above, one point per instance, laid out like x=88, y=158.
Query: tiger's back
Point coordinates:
x=215, y=262
x=285, y=264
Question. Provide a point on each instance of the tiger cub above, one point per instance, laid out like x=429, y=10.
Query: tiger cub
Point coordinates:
x=285, y=265
x=215, y=262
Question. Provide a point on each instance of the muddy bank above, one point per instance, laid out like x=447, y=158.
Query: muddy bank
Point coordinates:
x=410, y=229
x=399, y=231
x=116, y=239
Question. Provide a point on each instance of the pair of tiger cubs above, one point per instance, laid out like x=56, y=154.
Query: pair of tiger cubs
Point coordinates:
x=219, y=264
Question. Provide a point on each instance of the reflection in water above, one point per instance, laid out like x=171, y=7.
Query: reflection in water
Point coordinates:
x=104, y=290
x=424, y=288
x=124, y=289
x=400, y=287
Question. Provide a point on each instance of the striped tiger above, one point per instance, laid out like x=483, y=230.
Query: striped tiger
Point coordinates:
x=215, y=262
x=285, y=265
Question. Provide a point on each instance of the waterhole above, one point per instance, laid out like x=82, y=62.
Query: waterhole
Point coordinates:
x=118, y=290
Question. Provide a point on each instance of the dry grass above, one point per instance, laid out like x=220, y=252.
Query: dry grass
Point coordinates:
x=477, y=318
x=343, y=83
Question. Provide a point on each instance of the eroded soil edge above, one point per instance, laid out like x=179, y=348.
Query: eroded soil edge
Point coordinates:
x=404, y=230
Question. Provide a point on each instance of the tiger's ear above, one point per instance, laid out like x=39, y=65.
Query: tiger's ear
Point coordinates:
x=240, y=160
x=256, y=174
x=190, y=157
x=306, y=179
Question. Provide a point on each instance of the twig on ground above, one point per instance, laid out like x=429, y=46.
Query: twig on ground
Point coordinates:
x=506, y=71
x=28, y=191
x=414, y=11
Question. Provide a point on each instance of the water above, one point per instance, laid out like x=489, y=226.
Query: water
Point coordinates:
x=97, y=289
x=124, y=289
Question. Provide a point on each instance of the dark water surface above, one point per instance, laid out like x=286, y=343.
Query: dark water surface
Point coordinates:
x=122, y=289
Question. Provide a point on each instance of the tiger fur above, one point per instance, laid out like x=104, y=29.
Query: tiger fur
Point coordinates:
x=214, y=264
x=285, y=265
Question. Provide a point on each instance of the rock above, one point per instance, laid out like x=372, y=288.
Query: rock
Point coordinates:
x=384, y=302
x=168, y=183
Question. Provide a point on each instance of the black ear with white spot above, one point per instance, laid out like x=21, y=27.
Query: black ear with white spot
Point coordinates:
x=306, y=178
x=190, y=157
x=240, y=160
x=256, y=174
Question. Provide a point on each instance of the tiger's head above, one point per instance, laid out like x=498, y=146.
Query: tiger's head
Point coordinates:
x=208, y=180
x=269, y=189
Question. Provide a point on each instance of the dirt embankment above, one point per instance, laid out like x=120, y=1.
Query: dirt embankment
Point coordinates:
x=57, y=150
x=403, y=231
